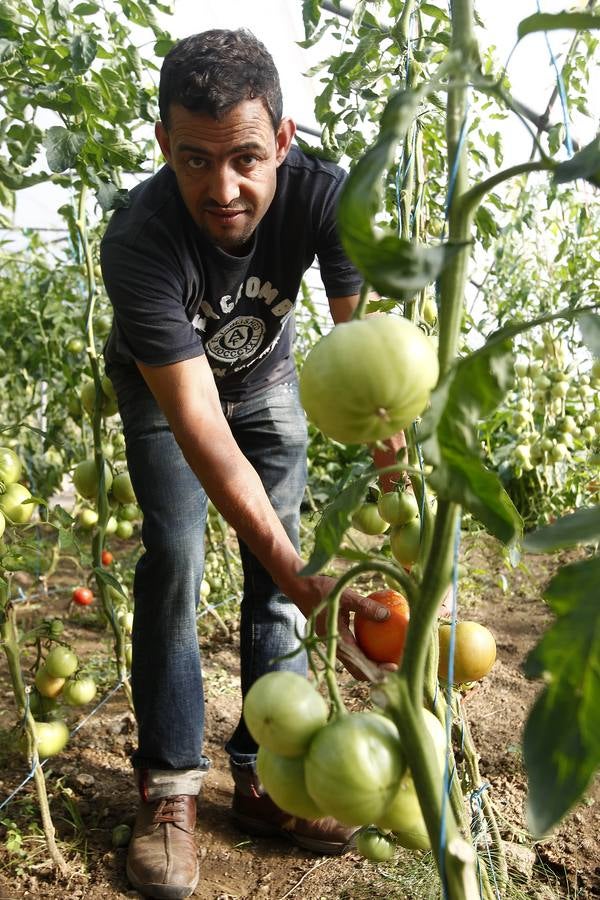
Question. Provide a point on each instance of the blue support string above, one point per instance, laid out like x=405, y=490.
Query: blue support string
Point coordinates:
x=447, y=777
x=561, y=91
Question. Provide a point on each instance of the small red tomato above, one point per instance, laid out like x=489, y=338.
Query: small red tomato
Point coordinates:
x=107, y=557
x=82, y=596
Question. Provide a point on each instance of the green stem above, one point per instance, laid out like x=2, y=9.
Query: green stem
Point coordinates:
x=472, y=198
x=361, y=307
x=10, y=642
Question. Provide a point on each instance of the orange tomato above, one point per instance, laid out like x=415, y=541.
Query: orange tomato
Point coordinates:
x=383, y=642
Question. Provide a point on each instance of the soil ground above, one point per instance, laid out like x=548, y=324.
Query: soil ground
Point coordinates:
x=92, y=790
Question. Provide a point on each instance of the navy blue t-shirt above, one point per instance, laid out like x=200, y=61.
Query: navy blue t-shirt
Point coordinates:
x=176, y=296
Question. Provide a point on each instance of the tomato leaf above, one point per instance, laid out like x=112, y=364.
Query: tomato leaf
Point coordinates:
x=394, y=267
x=581, y=527
x=108, y=579
x=583, y=164
x=561, y=742
x=555, y=21
x=62, y=147
x=470, y=392
x=334, y=523
x=83, y=52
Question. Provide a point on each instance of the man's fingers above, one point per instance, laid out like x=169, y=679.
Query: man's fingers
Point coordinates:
x=354, y=601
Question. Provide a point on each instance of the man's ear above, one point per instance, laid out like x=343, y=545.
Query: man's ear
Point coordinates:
x=283, y=138
x=162, y=136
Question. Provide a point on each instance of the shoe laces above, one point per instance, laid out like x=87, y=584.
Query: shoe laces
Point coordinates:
x=169, y=810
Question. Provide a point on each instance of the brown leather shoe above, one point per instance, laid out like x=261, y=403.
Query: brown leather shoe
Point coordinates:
x=162, y=861
x=255, y=813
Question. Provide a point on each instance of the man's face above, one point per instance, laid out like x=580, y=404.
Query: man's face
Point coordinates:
x=226, y=169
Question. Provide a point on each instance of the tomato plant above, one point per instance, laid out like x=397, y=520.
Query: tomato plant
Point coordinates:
x=384, y=641
x=82, y=596
x=474, y=654
x=283, y=711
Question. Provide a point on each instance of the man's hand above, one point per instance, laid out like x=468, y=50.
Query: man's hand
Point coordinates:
x=348, y=651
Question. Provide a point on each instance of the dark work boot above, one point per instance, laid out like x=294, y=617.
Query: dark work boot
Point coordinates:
x=255, y=813
x=162, y=861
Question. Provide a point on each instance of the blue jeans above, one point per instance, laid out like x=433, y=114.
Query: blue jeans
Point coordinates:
x=270, y=429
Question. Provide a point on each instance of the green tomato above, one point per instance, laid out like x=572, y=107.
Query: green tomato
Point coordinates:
x=79, y=691
x=283, y=711
x=13, y=503
x=405, y=542
x=368, y=378
x=51, y=737
x=75, y=345
x=124, y=529
x=61, y=662
x=429, y=311
x=367, y=519
x=3, y=520
x=85, y=478
x=121, y=835
x=10, y=466
x=108, y=406
x=122, y=488
x=130, y=512
x=283, y=779
x=111, y=526
x=398, y=507
x=375, y=846
x=107, y=387
x=353, y=767
x=48, y=685
x=103, y=324
x=87, y=518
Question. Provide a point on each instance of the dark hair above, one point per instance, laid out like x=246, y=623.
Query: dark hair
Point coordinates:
x=213, y=71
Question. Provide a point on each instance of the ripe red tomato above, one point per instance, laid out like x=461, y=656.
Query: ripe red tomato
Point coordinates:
x=383, y=642
x=107, y=557
x=83, y=596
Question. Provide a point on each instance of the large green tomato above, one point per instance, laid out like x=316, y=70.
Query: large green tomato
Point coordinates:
x=283, y=711
x=13, y=503
x=283, y=779
x=368, y=379
x=10, y=466
x=85, y=478
x=353, y=767
x=405, y=541
x=367, y=519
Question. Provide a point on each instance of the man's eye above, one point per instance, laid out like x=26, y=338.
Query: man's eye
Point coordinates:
x=248, y=160
x=196, y=163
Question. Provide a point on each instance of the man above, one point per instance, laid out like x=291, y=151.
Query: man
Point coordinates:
x=203, y=269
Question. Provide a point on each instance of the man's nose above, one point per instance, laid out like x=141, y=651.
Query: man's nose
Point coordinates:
x=224, y=186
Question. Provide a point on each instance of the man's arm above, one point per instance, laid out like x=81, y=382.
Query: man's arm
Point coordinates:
x=187, y=394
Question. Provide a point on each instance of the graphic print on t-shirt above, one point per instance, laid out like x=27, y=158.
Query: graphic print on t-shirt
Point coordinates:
x=243, y=339
x=237, y=340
